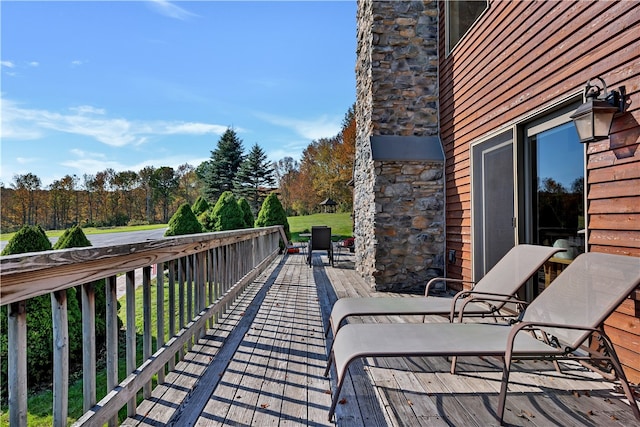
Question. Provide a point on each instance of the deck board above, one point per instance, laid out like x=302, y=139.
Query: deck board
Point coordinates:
x=275, y=376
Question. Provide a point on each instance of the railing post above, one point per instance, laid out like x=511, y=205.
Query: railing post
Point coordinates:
x=172, y=307
x=88, y=298
x=146, y=323
x=112, y=329
x=189, y=260
x=210, y=283
x=17, y=342
x=131, y=334
x=60, y=325
x=201, y=266
x=160, y=314
x=181, y=302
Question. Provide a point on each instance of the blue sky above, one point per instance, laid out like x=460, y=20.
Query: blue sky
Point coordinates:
x=90, y=85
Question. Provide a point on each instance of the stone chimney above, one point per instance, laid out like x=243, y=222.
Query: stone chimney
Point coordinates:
x=399, y=165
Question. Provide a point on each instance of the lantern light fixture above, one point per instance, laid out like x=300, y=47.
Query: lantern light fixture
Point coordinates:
x=593, y=118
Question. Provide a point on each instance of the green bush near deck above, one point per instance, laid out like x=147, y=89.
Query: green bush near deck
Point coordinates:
x=183, y=222
x=31, y=238
x=272, y=213
x=199, y=206
x=249, y=220
x=227, y=214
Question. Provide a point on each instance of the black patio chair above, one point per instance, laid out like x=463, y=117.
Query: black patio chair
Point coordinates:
x=320, y=241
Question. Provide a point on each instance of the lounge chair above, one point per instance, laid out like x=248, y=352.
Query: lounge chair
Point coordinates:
x=320, y=240
x=487, y=297
x=564, y=316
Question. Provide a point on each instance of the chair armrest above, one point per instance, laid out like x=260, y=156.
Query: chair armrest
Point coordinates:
x=443, y=279
x=534, y=326
x=476, y=296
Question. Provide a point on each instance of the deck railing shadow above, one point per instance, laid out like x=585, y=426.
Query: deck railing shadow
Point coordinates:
x=202, y=275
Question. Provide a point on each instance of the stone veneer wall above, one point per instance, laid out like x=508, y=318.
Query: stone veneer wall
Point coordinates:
x=398, y=204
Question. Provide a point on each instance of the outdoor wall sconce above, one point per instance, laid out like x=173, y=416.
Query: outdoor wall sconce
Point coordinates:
x=593, y=118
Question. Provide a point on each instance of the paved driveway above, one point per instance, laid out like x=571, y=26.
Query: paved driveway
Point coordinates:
x=108, y=239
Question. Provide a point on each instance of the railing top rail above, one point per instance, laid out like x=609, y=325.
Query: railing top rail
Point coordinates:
x=25, y=276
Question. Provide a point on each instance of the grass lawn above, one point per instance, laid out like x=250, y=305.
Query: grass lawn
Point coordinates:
x=340, y=223
x=95, y=230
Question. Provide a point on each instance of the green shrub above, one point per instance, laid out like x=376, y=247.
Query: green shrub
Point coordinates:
x=207, y=220
x=30, y=238
x=226, y=214
x=183, y=222
x=272, y=213
x=247, y=214
x=200, y=205
x=72, y=237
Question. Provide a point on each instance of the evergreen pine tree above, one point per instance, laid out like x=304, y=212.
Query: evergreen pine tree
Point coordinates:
x=272, y=213
x=254, y=172
x=247, y=214
x=218, y=172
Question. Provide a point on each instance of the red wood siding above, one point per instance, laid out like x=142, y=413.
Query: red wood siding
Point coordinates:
x=521, y=57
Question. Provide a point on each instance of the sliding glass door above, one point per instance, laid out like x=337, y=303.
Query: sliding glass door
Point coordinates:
x=493, y=201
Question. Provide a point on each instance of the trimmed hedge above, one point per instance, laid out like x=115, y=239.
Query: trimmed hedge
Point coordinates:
x=247, y=214
x=183, y=222
x=272, y=213
x=32, y=238
x=226, y=214
x=200, y=205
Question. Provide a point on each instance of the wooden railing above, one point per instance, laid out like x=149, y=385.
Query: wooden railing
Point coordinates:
x=207, y=272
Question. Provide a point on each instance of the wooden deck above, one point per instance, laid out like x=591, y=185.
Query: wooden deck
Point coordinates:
x=270, y=355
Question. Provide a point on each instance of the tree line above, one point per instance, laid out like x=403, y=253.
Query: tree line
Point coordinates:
x=153, y=194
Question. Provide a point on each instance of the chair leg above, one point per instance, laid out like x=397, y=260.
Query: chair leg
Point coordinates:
x=454, y=359
x=617, y=367
x=327, y=370
x=502, y=399
x=334, y=400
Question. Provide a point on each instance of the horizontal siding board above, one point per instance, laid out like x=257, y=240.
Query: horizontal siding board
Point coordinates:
x=607, y=190
x=616, y=238
x=629, y=360
x=615, y=205
x=615, y=222
x=614, y=156
x=630, y=307
x=614, y=173
x=619, y=250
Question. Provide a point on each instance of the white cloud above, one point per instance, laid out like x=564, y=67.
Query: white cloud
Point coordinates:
x=77, y=62
x=34, y=64
x=88, y=109
x=170, y=10
x=84, y=162
x=7, y=64
x=26, y=160
x=191, y=128
x=320, y=127
x=85, y=120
